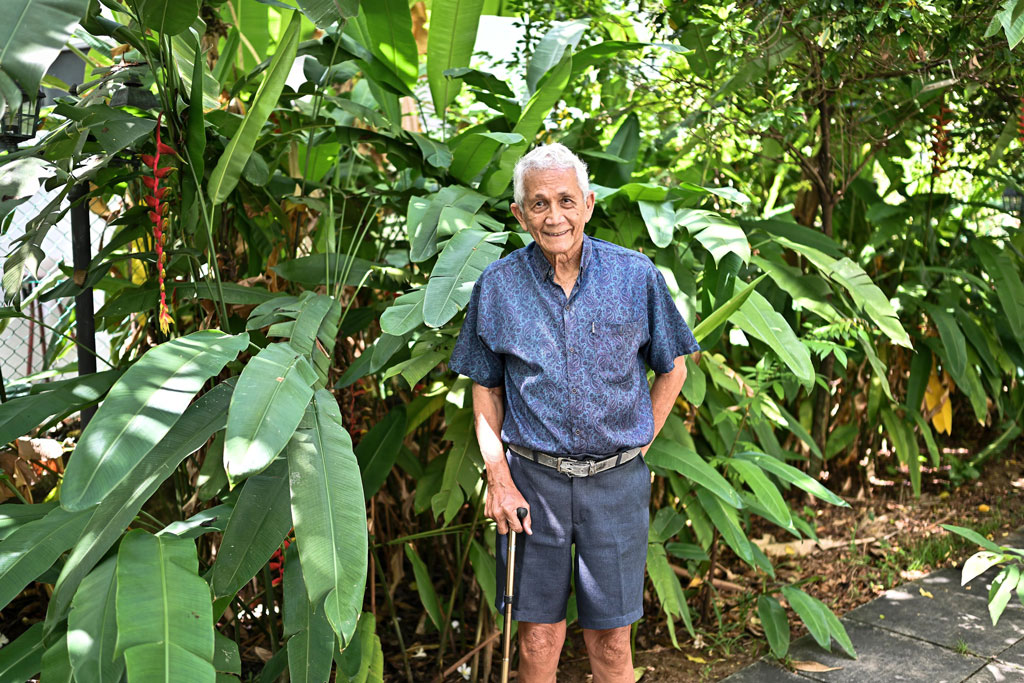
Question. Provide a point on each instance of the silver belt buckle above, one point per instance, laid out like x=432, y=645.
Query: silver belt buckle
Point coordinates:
x=575, y=468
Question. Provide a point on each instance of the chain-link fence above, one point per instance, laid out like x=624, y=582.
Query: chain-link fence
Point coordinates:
x=29, y=346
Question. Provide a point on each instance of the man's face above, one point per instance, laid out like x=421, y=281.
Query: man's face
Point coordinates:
x=554, y=210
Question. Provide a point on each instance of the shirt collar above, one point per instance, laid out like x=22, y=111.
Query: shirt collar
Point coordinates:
x=544, y=268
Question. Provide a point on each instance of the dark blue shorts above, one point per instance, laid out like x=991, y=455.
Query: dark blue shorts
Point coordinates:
x=605, y=516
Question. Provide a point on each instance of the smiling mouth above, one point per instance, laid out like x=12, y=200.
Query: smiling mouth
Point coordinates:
x=558, y=234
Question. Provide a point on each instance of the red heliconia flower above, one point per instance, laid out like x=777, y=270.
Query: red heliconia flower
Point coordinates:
x=157, y=214
x=940, y=139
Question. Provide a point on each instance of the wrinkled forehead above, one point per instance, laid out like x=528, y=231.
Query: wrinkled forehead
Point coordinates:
x=548, y=183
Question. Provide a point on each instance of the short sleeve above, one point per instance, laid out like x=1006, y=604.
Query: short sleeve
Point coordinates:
x=670, y=336
x=472, y=357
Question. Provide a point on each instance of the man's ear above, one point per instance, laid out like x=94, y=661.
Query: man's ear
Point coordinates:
x=588, y=204
x=518, y=213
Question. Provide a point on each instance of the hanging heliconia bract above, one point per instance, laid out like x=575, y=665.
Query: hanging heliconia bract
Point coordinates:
x=1020, y=120
x=940, y=139
x=158, y=214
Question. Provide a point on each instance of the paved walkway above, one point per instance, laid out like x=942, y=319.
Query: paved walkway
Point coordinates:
x=907, y=636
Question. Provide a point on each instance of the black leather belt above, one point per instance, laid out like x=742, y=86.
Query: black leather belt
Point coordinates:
x=575, y=467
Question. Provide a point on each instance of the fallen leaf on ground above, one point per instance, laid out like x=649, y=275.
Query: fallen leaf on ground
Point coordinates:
x=926, y=593
x=983, y=508
x=697, y=660
x=813, y=666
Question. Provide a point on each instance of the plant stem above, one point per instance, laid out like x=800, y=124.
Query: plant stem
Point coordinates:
x=268, y=602
x=458, y=578
x=394, y=616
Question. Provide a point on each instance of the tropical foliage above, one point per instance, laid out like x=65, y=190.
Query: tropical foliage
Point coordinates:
x=300, y=197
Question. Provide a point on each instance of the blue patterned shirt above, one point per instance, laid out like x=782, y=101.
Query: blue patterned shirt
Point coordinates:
x=572, y=368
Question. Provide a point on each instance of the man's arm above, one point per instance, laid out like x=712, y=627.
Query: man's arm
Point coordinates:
x=664, y=390
x=503, y=498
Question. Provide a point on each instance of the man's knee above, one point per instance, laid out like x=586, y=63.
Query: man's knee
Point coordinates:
x=609, y=647
x=540, y=642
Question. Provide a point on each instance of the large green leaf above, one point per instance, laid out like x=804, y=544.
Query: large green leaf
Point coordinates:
x=724, y=519
x=323, y=269
x=256, y=528
x=362, y=661
x=424, y=586
x=725, y=311
x=718, y=234
x=687, y=462
x=325, y=13
x=404, y=315
x=775, y=624
x=389, y=24
x=266, y=407
x=793, y=476
x=229, y=168
x=766, y=492
x=20, y=415
x=809, y=611
x=757, y=317
x=31, y=37
x=549, y=51
x=92, y=627
x=952, y=338
x=14, y=515
x=139, y=411
x=666, y=585
x=164, y=613
x=457, y=269
x=660, y=219
x=423, y=217
x=329, y=515
x=310, y=638
x=534, y=113
x=22, y=659
x=902, y=439
x=462, y=467
x=1001, y=269
x=169, y=17
x=453, y=26
x=864, y=292
x=378, y=449
x=33, y=548
x=107, y=521
x=56, y=666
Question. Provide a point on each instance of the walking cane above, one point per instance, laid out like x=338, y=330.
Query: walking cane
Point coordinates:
x=509, y=575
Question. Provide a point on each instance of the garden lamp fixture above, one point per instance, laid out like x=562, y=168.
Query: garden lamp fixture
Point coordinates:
x=20, y=124
x=134, y=94
x=1013, y=202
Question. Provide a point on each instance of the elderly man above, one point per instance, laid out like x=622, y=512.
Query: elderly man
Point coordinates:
x=555, y=340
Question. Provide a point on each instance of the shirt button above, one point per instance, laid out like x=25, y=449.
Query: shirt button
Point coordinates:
x=567, y=307
x=577, y=430
x=572, y=349
x=574, y=390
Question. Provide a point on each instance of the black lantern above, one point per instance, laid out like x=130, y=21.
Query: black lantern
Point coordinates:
x=134, y=94
x=1013, y=202
x=20, y=124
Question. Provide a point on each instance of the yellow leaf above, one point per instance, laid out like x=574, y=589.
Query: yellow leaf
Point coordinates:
x=983, y=508
x=944, y=495
x=936, y=401
x=926, y=593
x=698, y=660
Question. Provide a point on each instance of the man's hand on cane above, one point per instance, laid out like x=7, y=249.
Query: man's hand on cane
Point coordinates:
x=503, y=499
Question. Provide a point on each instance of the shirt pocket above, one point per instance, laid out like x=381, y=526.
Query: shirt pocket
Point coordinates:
x=615, y=347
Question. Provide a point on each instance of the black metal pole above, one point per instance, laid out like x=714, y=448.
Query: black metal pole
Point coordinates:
x=81, y=256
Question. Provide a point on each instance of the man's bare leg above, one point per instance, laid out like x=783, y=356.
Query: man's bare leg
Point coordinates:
x=610, y=657
x=540, y=645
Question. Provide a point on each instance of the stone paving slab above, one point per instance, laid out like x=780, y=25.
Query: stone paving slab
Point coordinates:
x=1013, y=655
x=884, y=656
x=950, y=616
x=764, y=671
x=998, y=672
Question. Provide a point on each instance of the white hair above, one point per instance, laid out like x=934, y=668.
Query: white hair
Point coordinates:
x=555, y=156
